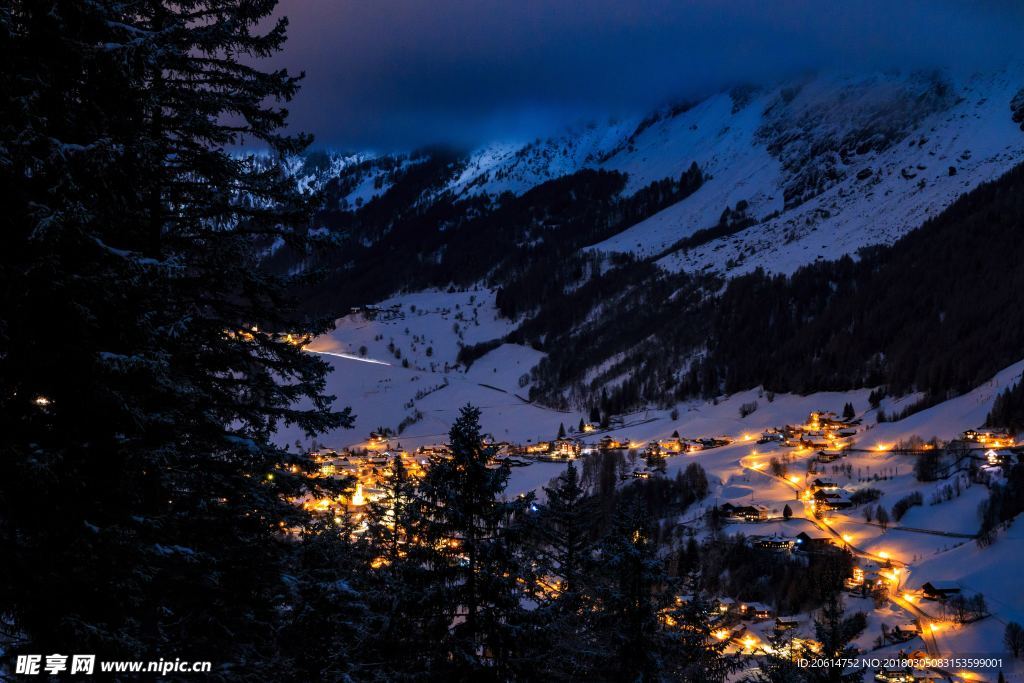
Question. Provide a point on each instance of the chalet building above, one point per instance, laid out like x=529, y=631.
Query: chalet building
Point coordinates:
x=776, y=544
x=997, y=458
x=747, y=513
x=830, y=500
x=824, y=485
x=756, y=610
x=904, y=632
x=771, y=436
x=816, y=442
x=989, y=436
x=813, y=544
x=938, y=591
x=567, y=448
x=609, y=443
x=785, y=624
x=726, y=605
x=827, y=455
x=503, y=448
x=824, y=417
x=861, y=576
x=652, y=448
x=671, y=445
x=538, y=448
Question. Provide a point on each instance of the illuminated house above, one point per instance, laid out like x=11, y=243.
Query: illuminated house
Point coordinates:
x=830, y=454
x=996, y=438
x=610, y=443
x=995, y=457
x=438, y=450
x=671, y=445
x=747, y=513
x=756, y=610
x=864, y=575
x=826, y=501
x=567, y=448
x=377, y=440
x=776, y=544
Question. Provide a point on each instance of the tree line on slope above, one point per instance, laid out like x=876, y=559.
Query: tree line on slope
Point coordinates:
x=417, y=235
x=936, y=312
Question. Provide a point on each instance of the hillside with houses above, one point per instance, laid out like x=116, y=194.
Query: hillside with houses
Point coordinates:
x=894, y=513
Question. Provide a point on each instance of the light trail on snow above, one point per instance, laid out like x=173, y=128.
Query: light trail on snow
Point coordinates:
x=348, y=356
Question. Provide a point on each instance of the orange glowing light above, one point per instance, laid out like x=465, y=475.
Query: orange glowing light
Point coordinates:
x=358, y=498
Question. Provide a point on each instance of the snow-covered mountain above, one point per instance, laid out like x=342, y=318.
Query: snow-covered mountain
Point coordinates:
x=825, y=166
x=772, y=178
x=821, y=167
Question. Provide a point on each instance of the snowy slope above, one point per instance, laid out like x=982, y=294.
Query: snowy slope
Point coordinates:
x=366, y=352
x=827, y=165
x=942, y=420
x=992, y=570
x=905, y=184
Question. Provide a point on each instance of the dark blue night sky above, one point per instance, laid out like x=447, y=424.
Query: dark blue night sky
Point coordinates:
x=398, y=73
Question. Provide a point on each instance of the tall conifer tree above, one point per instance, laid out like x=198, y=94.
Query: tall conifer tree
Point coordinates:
x=146, y=357
x=475, y=539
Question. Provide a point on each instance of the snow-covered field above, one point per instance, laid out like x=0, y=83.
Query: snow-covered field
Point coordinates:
x=402, y=363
